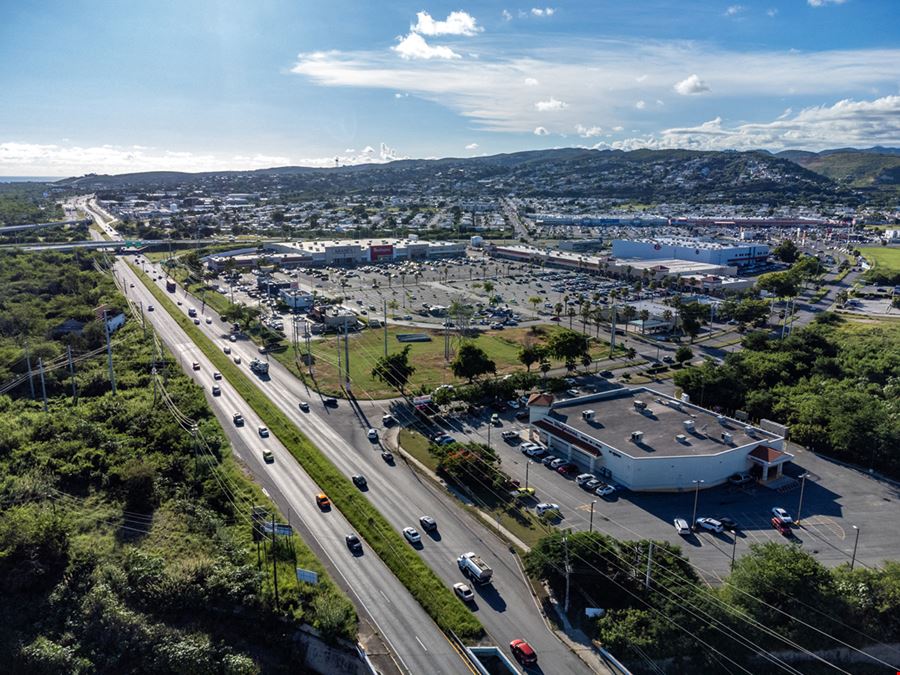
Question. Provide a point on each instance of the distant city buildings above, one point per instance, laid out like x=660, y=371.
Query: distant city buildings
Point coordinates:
x=710, y=252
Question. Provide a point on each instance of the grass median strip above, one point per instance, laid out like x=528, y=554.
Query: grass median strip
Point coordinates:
x=424, y=585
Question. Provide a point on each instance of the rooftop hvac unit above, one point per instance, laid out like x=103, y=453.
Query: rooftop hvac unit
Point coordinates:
x=689, y=425
x=750, y=431
x=637, y=436
x=588, y=414
x=681, y=438
x=726, y=438
x=640, y=405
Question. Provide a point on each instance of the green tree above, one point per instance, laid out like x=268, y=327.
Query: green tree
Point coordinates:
x=684, y=353
x=568, y=346
x=471, y=362
x=779, y=284
x=692, y=315
x=786, y=251
x=394, y=369
x=529, y=355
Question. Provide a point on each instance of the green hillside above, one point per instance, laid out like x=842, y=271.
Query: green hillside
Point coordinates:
x=852, y=168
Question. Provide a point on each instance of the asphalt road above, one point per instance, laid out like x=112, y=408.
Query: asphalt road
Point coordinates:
x=506, y=607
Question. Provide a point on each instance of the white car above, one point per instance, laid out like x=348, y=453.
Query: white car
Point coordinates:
x=233, y=338
x=412, y=535
x=372, y=434
x=782, y=515
x=710, y=525
x=604, y=490
x=558, y=462
x=583, y=478
x=681, y=526
x=463, y=592
x=264, y=432
x=226, y=349
x=546, y=507
x=208, y=320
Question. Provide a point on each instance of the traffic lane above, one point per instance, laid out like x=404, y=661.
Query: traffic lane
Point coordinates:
x=411, y=632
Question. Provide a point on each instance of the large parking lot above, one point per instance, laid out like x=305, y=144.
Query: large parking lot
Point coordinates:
x=835, y=499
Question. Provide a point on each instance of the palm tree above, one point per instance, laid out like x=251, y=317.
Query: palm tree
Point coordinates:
x=557, y=309
x=535, y=301
x=644, y=315
x=585, y=316
x=598, y=320
x=571, y=314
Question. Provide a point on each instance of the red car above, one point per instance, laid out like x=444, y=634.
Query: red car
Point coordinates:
x=781, y=526
x=567, y=470
x=523, y=652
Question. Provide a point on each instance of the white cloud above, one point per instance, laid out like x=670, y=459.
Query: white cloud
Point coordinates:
x=413, y=46
x=545, y=11
x=640, y=105
x=472, y=146
x=456, y=23
x=641, y=78
x=734, y=10
x=691, y=85
x=771, y=12
x=368, y=150
x=845, y=123
x=531, y=82
x=506, y=15
x=400, y=95
x=822, y=3
x=540, y=131
x=588, y=132
x=551, y=104
x=618, y=128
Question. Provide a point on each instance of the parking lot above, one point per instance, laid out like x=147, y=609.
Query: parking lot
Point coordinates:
x=835, y=499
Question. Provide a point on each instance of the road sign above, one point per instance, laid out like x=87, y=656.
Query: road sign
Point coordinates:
x=280, y=530
x=308, y=576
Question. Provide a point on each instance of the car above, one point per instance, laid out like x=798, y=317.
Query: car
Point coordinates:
x=149, y=308
x=546, y=507
x=195, y=365
x=522, y=415
x=782, y=527
x=412, y=535
x=388, y=420
x=268, y=457
x=500, y=406
x=593, y=484
x=709, y=524
x=353, y=543
x=216, y=390
x=558, y=462
x=523, y=652
x=605, y=490
x=263, y=432
x=131, y=285
x=681, y=526
x=322, y=501
x=583, y=478
x=330, y=401
x=237, y=359
x=740, y=479
x=360, y=481
x=226, y=349
x=233, y=338
x=728, y=523
x=533, y=450
x=567, y=470
x=514, y=404
x=523, y=493
x=196, y=322
x=607, y=374
x=208, y=320
x=179, y=303
x=217, y=375
x=238, y=419
x=782, y=515
x=304, y=406
x=463, y=592
x=387, y=456
x=668, y=359
x=555, y=318
x=573, y=392
x=372, y=435
x=428, y=523
x=549, y=459
x=495, y=420
x=509, y=435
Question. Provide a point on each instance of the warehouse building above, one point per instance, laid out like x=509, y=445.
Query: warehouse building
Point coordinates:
x=647, y=441
x=695, y=250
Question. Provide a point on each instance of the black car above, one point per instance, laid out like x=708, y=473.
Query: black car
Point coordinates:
x=330, y=401
x=728, y=523
x=522, y=415
x=607, y=374
x=353, y=543
x=360, y=481
x=387, y=456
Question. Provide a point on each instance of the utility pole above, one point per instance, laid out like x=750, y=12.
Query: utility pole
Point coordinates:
x=72, y=374
x=384, y=309
x=30, y=376
x=347, y=356
x=800, y=505
x=43, y=387
x=274, y=560
x=733, y=548
x=649, y=562
x=698, y=483
x=855, y=544
x=112, y=376
x=591, y=528
x=337, y=341
x=612, y=330
x=155, y=384
x=527, y=466
x=568, y=573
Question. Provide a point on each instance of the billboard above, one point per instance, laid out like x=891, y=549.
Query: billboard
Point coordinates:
x=381, y=252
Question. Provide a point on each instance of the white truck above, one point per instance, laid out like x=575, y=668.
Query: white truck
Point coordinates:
x=473, y=567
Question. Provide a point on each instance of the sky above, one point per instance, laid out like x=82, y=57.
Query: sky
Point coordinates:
x=195, y=85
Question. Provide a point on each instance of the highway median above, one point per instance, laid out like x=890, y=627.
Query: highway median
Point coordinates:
x=429, y=591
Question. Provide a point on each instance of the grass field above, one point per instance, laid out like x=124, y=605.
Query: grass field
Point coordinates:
x=883, y=258
x=428, y=357
x=425, y=586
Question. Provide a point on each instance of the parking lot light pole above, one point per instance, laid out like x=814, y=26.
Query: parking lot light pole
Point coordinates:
x=855, y=544
x=591, y=529
x=800, y=505
x=698, y=483
x=733, y=548
x=527, y=466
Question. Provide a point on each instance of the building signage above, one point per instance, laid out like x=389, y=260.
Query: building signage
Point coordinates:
x=381, y=251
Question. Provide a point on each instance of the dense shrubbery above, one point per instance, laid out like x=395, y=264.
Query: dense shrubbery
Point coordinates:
x=119, y=549
x=836, y=384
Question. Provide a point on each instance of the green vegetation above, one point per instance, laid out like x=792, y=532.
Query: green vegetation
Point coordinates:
x=424, y=585
x=856, y=169
x=124, y=546
x=22, y=203
x=885, y=265
x=777, y=595
x=835, y=383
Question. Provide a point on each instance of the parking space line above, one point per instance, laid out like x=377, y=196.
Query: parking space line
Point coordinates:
x=827, y=523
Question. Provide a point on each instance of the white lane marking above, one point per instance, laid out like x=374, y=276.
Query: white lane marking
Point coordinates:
x=383, y=595
x=266, y=493
x=421, y=643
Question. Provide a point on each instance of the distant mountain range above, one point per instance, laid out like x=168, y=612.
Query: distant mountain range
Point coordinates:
x=846, y=176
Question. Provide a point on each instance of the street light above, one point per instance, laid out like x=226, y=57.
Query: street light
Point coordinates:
x=698, y=483
x=527, y=466
x=592, y=516
x=855, y=544
x=800, y=506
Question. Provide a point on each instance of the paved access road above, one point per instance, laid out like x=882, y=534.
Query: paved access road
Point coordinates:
x=506, y=607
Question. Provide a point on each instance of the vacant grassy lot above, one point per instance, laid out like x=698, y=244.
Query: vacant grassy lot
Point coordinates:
x=428, y=357
x=884, y=259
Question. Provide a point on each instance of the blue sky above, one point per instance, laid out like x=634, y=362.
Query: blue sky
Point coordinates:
x=193, y=85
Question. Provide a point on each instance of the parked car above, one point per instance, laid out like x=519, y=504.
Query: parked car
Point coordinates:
x=681, y=526
x=546, y=507
x=709, y=524
x=509, y=435
x=568, y=470
x=782, y=527
x=330, y=401
x=388, y=420
x=583, y=478
x=226, y=349
x=522, y=414
x=523, y=493
x=556, y=463
x=495, y=420
x=605, y=490
x=728, y=523
x=740, y=479
x=782, y=515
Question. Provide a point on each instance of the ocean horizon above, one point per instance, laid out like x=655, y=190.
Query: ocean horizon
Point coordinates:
x=30, y=179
